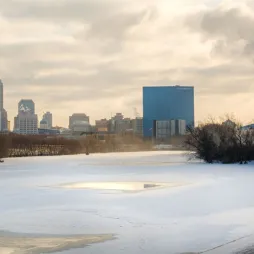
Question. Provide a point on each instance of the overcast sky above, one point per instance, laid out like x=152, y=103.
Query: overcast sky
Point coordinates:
x=94, y=56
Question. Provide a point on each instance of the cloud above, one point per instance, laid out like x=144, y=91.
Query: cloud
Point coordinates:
x=94, y=56
x=116, y=26
x=230, y=28
x=55, y=11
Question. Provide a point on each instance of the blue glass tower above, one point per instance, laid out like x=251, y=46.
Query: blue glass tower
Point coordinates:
x=165, y=103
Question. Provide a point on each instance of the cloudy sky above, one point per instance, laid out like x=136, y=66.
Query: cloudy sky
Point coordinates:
x=94, y=56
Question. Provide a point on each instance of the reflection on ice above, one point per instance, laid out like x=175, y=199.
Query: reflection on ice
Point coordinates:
x=122, y=186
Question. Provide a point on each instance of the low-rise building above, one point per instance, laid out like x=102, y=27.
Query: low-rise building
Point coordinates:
x=101, y=125
x=77, y=117
x=44, y=124
x=81, y=127
x=137, y=126
x=48, y=132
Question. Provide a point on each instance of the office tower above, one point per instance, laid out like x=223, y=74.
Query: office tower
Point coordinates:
x=1, y=103
x=26, y=106
x=26, y=122
x=77, y=117
x=167, y=103
x=48, y=117
x=1, y=95
x=4, y=120
x=3, y=112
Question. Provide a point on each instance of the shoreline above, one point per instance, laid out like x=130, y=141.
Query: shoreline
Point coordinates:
x=18, y=243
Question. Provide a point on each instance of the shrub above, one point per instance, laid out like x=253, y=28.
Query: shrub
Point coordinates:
x=213, y=142
x=4, y=146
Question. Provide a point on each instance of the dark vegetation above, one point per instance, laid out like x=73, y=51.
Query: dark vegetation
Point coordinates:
x=225, y=143
x=12, y=145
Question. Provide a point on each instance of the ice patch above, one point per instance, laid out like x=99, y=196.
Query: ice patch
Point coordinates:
x=122, y=186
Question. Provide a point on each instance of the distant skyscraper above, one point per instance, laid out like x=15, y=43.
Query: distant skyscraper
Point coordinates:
x=167, y=103
x=1, y=103
x=26, y=121
x=77, y=117
x=1, y=95
x=4, y=120
x=27, y=124
x=3, y=112
x=48, y=117
x=26, y=106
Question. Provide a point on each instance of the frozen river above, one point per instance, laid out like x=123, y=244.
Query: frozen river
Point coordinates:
x=130, y=203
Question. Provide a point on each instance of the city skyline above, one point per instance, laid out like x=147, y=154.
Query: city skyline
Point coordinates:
x=94, y=57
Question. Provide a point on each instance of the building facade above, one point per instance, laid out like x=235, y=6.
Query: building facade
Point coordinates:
x=119, y=124
x=26, y=122
x=25, y=106
x=49, y=118
x=44, y=124
x=101, y=125
x=165, y=103
x=3, y=112
x=4, y=120
x=80, y=127
x=165, y=129
x=137, y=126
x=123, y=125
x=1, y=95
x=48, y=132
x=77, y=117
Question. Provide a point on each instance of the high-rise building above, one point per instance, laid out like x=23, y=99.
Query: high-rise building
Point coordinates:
x=77, y=117
x=4, y=120
x=48, y=117
x=26, y=106
x=1, y=95
x=26, y=122
x=3, y=112
x=166, y=103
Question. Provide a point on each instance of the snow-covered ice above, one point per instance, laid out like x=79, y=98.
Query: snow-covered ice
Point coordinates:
x=199, y=206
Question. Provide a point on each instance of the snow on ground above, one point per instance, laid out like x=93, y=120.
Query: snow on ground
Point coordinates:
x=202, y=207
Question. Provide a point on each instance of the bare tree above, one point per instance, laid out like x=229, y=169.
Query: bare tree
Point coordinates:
x=226, y=143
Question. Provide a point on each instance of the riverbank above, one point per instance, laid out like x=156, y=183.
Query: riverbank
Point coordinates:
x=11, y=243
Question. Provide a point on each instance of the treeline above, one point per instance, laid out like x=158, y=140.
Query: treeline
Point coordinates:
x=221, y=142
x=12, y=145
